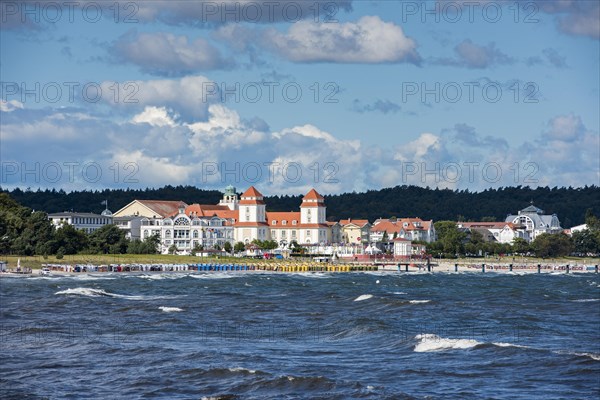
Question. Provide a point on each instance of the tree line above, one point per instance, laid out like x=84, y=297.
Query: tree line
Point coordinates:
x=569, y=203
x=27, y=232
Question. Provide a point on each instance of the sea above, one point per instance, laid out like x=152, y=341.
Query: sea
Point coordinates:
x=258, y=335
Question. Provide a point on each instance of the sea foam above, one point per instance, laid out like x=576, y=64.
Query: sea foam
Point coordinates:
x=90, y=292
x=429, y=343
x=170, y=309
x=363, y=297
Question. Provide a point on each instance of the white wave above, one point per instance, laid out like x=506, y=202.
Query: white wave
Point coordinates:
x=215, y=275
x=591, y=355
x=585, y=300
x=159, y=277
x=419, y=301
x=400, y=293
x=503, y=344
x=363, y=297
x=240, y=369
x=170, y=309
x=87, y=277
x=429, y=343
x=90, y=292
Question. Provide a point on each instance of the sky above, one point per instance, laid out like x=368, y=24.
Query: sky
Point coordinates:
x=288, y=95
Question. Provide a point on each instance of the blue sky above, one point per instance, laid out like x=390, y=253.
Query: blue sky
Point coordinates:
x=341, y=96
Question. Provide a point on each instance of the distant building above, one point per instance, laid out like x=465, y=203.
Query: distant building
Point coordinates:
x=87, y=222
x=131, y=224
x=574, y=229
x=535, y=221
x=501, y=232
x=406, y=228
x=355, y=231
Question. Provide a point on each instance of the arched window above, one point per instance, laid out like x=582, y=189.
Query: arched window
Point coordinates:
x=195, y=234
x=168, y=234
x=182, y=221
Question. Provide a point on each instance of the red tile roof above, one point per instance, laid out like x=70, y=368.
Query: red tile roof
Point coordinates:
x=281, y=216
x=164, y=208
x=313, y=195
x=252, y=192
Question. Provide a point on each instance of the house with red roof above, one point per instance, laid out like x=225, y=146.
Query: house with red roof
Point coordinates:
x=406, y=228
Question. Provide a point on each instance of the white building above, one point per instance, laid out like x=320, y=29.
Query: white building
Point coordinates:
x=131, y=224
x=87, y=222
x=535, y=221
x=232, y=220
x=502, y=232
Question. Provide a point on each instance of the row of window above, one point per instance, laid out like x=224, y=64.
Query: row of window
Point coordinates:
x=87, y=220
x=284, y=222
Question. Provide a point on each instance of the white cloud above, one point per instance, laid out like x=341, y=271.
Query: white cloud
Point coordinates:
x=155, y=116
x=163, y=53
x=190, y=95
x=369, y=40
x=166, y=150
x=10, y=105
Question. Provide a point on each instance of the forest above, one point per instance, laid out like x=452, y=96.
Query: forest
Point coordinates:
x=569, y=204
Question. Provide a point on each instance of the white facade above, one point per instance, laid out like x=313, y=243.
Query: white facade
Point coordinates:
x=87, y=222
x=535, y=221
x=187, y=232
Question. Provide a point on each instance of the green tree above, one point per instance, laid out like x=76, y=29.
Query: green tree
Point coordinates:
x=227, y=247
x=552, y=245
x=239, y=247
x=70, y=240
x=520, y=246
x=450, y=237
x=172, y=249
x=585, y=241
x=108, y=239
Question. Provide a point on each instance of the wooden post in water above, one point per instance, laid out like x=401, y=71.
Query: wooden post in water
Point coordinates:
x=596, y=268
x=510, y=267
x=568, y=268
x=456, y=267
x=482, y=267
x=406, y=267
x=539, y=268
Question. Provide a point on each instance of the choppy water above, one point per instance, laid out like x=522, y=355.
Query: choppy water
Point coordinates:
x=318, y=336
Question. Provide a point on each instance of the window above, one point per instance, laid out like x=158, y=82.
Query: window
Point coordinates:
x=274, y=222
x=284, y=222
x=307, y=233
x=273, y=233
x=294, y=222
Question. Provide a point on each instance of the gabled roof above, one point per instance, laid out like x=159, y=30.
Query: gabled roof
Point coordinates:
x=162, y=208
x=387, y=226
x=252, y=192
x=358, y=222
x=313, y=199
x=531, y=209
x=251, y=197
x=313, y=195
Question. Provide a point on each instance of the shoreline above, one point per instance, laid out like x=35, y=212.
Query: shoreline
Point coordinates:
x=289, y=268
